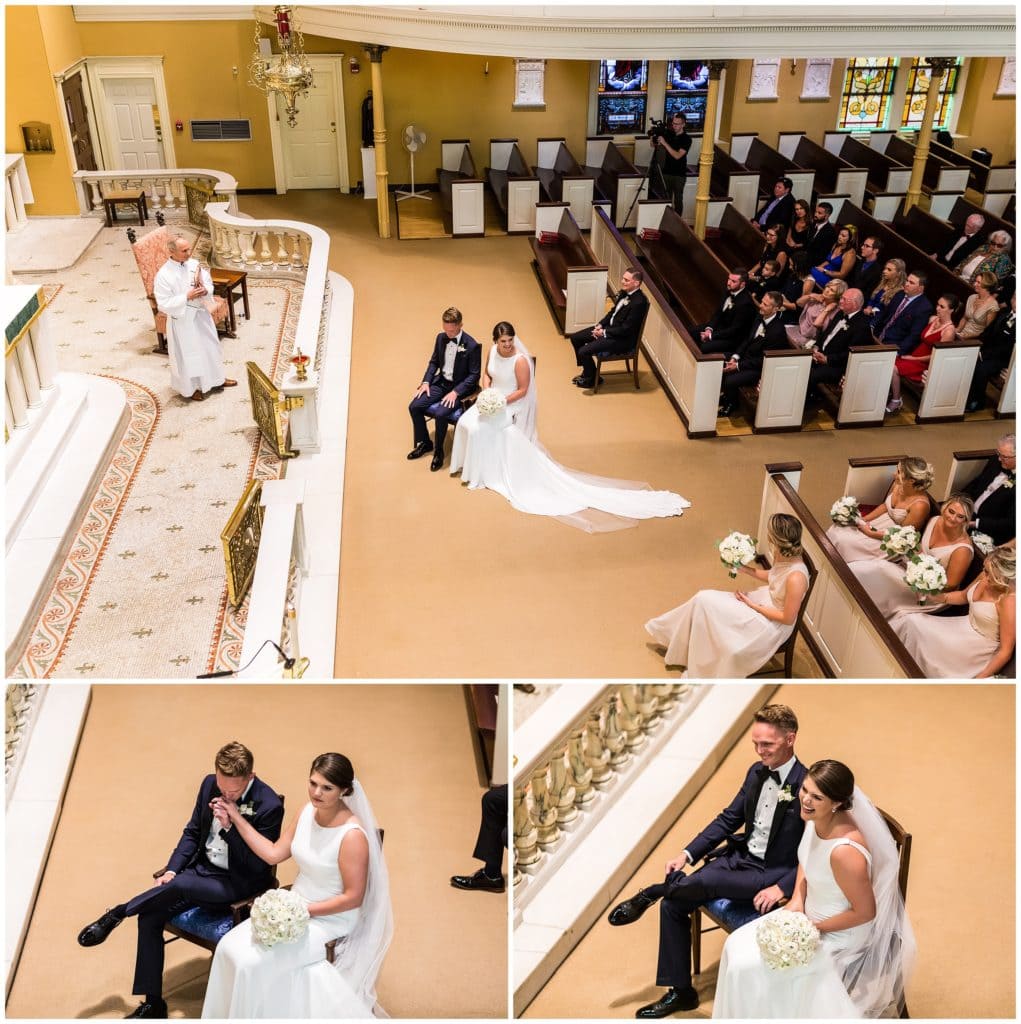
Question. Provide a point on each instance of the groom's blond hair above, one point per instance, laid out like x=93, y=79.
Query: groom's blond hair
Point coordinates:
x=234, y=760
x=778, y=715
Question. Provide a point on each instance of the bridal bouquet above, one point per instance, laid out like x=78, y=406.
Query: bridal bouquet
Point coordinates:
x=899, y=541
x=844, y=511
x=983, y=542
x=925, y=576
x=490, y=402
x=786, y=939
x=736, y=549
x=279, y=915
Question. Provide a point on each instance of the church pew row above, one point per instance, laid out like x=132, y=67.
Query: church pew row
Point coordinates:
x=833, y=174
x=887, y=181
x=938, y=175
x=982, y=177
x=461, y=189
x=771, y=164
x=513, y=185
x=561, y=180
x=841, y=626
x=616, y=177
x=1006, y=406
x=690, y=378
x=570, y=275
x=777, y=404
x=955, y=211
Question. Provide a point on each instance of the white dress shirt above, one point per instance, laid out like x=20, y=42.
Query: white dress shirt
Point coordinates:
x=216, y=845
x=450, y=354
x=765, y=809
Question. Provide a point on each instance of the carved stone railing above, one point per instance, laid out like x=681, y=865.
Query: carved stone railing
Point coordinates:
x=30, y=354
x=279, y=248
x=22, y=705
x=573, y=762
x=165, y=190
x=17, y=192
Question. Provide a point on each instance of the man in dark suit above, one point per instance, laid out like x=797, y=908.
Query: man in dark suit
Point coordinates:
x=994, y=356
x=903, y=320
x=745, y=363
x=733, y=321
x=760, y=865
x=994, y=493
x=489, y=846
x=211, y=865
x=869, y=268
x=617, y=332
x=964, y=244
x=823, y=235
x=848, y=328
x=780, y=209
x=452, y=374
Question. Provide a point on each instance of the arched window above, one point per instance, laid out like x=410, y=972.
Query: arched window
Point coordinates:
x=868, y=86
x=918, y=86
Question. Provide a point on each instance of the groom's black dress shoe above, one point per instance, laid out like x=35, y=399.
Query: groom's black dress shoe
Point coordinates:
x=420, y=449
x=154, y=1011
x=630, y=910
x=95, y=933
x=437, y=462
x=675, y=1000
x=479, y=882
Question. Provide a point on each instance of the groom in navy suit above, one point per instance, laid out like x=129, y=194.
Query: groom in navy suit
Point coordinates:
x=211, y=865
x=760, y=864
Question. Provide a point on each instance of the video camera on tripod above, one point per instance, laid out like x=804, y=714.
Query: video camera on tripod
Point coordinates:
x=657, y=129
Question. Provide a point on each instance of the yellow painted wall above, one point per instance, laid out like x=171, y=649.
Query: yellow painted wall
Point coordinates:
x=60, y=36
x=984, y=120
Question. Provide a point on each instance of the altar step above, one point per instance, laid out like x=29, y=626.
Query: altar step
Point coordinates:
x=53, y=467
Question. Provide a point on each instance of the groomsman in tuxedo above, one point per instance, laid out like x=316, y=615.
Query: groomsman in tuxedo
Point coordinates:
x=760, y=864
x=489, y=846
x=994, y=494
x=452, y=375
x=733, y=321
x=965, y=243
x=903, y=320
x=211, y=865
x=994, y=356
x=823, y=235
x=745, y=363
x=847, y=329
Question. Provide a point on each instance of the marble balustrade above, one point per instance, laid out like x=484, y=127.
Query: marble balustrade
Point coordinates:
x=20, y=711
x=30, y=355
x=17, y=192
x=164, y=187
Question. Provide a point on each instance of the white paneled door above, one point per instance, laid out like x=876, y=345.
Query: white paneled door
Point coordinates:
x=131, y=107
x=310, y=148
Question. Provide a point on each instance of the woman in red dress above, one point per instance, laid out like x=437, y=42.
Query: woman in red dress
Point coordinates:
x=939, y=330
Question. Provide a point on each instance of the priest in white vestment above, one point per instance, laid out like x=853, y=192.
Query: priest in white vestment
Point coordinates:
x=184, y=291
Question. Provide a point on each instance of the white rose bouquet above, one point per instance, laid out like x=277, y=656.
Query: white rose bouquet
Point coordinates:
x=845, y=511
x=899, y=541
x=490, y=402
x=925, y=576
x=983, y=542
x=736, y=549
x=279, y=915
x=787, y=939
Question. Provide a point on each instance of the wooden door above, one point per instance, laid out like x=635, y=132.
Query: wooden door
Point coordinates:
x=134, y=120
x=310, y=148
x=78, y=123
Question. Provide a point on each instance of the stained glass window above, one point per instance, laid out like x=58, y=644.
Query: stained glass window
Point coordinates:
x=622, y=99
x=868, y=85
x=918, y=86
x=687, y=86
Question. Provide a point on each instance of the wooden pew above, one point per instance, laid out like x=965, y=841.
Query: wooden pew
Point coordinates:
x=690, y=378
x=461, y=189
x=956, y=210
x=514, y=186
x=778, y=403
x=561, y=180
x=939, y=175
x=981, y=177
x=964, y=467
x=887, y=178
x=771, y=164
x=571, y=278
x=928, y=233
x=833, y=174
x=1007, y=405
x=733, y=181
x=943, y=396
x=1000, y=204
x=736, y=240
x=616, y=177
x=860, y=399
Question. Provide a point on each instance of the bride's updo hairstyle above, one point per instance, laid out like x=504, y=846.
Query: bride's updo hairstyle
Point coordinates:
x=785, y=534
x=835, y=781
x=1001, y=568
x=503, y=328
x=335, y=768
x=918, y=471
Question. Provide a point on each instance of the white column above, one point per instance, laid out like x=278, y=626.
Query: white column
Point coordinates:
x=16, y=392
x=45, y=350
x=29, y=373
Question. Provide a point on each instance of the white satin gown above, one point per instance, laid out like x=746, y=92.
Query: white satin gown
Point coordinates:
x=291, y=980
x=746, y=987
x=502, y=453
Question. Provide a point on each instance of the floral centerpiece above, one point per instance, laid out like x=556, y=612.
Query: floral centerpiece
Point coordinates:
x=786, y=939
x=279, y=915
x=983, y=542
x=900, y=541
x=845, y=511
x=925, y=576
x=736, y=549
x=491, y=402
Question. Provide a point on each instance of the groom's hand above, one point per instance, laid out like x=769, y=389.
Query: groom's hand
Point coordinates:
x=421, y=389
x=677, y=864
x=450, y=399
x=766, y=899
x=167, y=876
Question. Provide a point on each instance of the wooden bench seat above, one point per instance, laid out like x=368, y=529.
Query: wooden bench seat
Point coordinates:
x=460, y=190
x=514, y=187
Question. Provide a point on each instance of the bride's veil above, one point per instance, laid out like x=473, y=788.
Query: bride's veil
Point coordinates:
x=525, y=416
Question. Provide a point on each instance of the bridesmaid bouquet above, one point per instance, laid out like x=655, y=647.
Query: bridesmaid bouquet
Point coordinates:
x=491, y=402
x=736, y=549
x=279, y=915
x=925, y=576
x=786, y=939
x=899, y=541
x=845, y=511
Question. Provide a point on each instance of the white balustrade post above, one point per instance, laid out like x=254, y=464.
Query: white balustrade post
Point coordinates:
x=561, y=789
x=304, y=420
x=544, y=809
x=16, y=391
x=29, y=373
x=597, y=757
x=614, y=737
x=580, y=771
x=10, y=210
x=526, y=837
x=631, y=717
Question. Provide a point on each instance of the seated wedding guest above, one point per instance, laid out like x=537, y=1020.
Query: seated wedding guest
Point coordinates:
x=992, y=256
x=791, y=289
x=869, y=267
x=817, y=310
x=972, y=646
x=211, y=865
x=981, y=308
x=773, y=249
x=945, y=538
x=822, y=234
x=938, y=331
x=994, y=495
x=719, y=634
x=744, y=365
x=964, y=244
x=489, y=846
x=994, y=356
x=345, y=887
x=839, y=262
x=801, y=227
x=902, y=321
x=891, y=281
x=766, y=281
x=906, y=504
x=845, y=331
x=777, y=210
x=732, y=322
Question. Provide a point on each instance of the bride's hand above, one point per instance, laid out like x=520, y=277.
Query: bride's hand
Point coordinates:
x=795, y=906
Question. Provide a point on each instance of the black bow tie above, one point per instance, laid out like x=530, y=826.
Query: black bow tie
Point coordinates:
x=767, y=773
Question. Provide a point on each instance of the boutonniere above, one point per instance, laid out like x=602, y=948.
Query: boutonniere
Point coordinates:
x=246, y=810
x=785, y=796
x=1009, y=482
x=462, y=348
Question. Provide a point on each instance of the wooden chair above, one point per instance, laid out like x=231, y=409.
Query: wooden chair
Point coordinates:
x=732, y=914
x=786, y=649
x=626, y=357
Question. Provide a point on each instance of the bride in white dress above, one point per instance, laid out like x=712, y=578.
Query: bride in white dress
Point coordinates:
x=343, y=878
x=502, y=453
x=722, y=634
x=847, y=885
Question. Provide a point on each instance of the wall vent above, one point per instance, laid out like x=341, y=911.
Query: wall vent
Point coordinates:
x=221, y=131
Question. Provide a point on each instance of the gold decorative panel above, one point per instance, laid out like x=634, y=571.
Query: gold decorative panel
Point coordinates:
x=240, y=539
x=269, y=408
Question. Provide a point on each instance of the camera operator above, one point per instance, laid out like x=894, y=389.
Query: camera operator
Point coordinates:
x=674, y=142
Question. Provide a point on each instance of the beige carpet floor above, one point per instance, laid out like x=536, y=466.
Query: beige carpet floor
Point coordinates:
x=938, y=758
x=437, y=581
x=144, y=750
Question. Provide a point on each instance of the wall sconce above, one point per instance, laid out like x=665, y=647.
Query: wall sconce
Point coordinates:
x=794, y=65
x=485, y=69
x=354, y=66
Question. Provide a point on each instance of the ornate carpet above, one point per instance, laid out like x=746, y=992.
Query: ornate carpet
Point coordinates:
x=142, y=591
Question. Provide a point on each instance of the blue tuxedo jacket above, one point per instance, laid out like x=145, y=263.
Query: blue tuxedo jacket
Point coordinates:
x=781, y=858
x=467, y=363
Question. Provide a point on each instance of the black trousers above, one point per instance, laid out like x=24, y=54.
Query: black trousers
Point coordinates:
x=985, y=371
x=492, y=838
x=738, y=379
x=429, y=404
x=586, y=347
